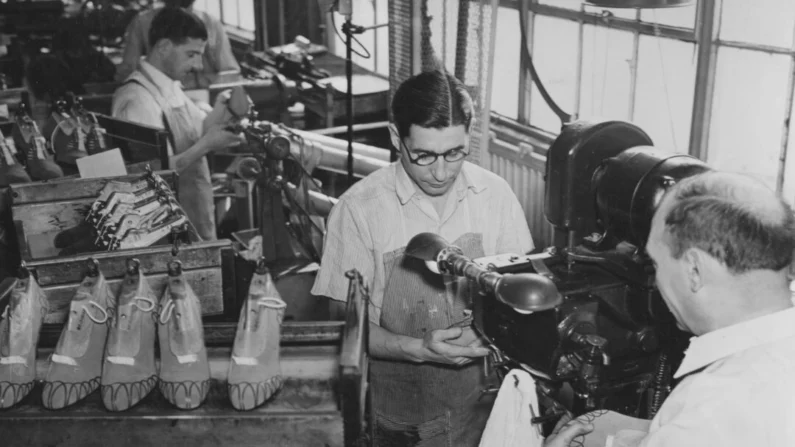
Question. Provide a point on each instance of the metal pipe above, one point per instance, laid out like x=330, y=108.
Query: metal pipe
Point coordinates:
x=361, y=127
x=315, y=203
x=373, y=152
x=336, y=160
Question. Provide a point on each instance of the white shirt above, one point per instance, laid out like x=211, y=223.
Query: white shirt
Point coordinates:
x=133, y=102
x=743, y=397
x=382, y=212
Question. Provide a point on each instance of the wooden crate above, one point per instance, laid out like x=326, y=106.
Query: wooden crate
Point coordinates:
x=42, y=210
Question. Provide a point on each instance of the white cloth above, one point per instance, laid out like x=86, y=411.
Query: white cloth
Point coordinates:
x=745, y=394
x=510, y=423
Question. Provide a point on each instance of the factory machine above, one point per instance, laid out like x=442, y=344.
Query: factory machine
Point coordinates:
x=584, y=317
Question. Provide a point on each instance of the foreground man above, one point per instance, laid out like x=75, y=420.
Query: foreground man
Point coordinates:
x=722, y=245
x=216, y=59
x=152, y=95
x=424, y=383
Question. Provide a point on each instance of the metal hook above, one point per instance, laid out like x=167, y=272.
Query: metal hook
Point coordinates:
x=174, y=268
x=93, y=267
x=132, y=266
x=262, y=267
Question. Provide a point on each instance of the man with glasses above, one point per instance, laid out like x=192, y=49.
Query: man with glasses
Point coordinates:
x=425, y=384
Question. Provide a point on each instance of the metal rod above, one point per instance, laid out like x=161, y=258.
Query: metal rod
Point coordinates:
x=580, y=66
x=349, y=94
x=359, y=127
x=705, y=78
x=525, y=81
x=771, y=49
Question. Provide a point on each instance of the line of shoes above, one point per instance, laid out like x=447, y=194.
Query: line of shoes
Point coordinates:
x=127, y=214
x=28, y=154
x=108, y=343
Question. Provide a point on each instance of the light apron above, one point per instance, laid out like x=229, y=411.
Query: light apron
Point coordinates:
x=426, y=404
x=195, y=185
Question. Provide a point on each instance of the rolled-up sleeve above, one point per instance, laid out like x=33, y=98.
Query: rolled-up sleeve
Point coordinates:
x=347, y=246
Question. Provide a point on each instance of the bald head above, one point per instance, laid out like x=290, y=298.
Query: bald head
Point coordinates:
x=737, y=220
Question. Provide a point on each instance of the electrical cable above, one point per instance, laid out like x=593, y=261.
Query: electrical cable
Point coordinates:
x=563, y=116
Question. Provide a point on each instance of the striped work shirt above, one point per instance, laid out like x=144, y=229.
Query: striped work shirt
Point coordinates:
x=382, y=212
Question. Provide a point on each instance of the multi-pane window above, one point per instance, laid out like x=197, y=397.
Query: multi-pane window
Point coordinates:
x=641, y=66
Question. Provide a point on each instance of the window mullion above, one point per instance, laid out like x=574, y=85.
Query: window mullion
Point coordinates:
x=633, y=71
x=707, y=50
x=525, y=80
x=786, y=128
x=580, y=55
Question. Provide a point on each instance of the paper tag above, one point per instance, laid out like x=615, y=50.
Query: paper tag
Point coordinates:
x=104, y=164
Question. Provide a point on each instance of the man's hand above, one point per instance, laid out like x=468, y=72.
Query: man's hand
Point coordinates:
x=222, y=98
x=565, y=431
x=219, y=115
x=468, y=337
x=219, y=138
x=438, y=347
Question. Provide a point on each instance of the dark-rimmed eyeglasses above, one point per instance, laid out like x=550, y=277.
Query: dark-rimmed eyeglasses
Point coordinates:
x=429, y=158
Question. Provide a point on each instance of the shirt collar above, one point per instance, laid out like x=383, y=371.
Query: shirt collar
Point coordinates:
x=162, y=81
x=725, y=342
x=466, y=180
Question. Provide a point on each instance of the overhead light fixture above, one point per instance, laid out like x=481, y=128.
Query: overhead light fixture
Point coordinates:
x=639, y=4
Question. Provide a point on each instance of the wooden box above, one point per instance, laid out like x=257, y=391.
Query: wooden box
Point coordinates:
x=42, y=210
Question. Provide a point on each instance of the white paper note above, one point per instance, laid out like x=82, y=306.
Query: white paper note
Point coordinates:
x=104, y=164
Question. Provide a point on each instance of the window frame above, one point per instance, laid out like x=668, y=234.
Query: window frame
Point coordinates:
x=704, y=35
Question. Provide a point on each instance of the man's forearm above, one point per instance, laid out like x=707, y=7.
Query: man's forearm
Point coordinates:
x=387, y=345
x=180, y=162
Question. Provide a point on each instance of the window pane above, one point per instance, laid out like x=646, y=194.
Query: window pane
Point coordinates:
x=444, y=24
x=200, y=5
x=230, y=13
x=748, y=112
x=505, y=72
x=362, y=16
x=664, y=92
x=555, y=59
x=607, y=58
x=767, y=22
x=213, y=7
x=683, y=16
x=246, y=12
x=382, y=37
x=569, y=4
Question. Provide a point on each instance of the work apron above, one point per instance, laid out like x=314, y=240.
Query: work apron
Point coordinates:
x=426, y=404
x=195, y=185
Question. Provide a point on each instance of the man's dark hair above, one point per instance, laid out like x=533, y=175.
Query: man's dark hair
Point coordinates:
x=176, y=25
x=432, y=99
x=739, y=223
